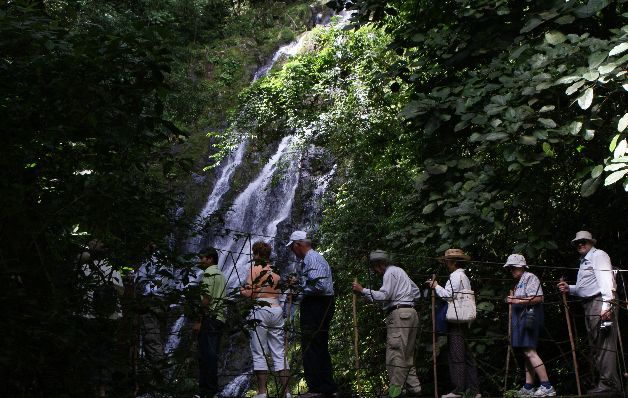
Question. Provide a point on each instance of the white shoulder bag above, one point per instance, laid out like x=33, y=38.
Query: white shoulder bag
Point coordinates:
x=462, y=309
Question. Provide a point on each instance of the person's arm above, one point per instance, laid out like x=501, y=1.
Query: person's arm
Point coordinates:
x=207, y=287
x=533, y=292
x=603, y=271
x=416, y=292
x=382, y=295
x=451, y=286
x=116, y=279
x=247, y=289
x=315, y=277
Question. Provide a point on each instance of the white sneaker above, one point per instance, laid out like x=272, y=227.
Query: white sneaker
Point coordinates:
x=451, y=395
x=545, y=392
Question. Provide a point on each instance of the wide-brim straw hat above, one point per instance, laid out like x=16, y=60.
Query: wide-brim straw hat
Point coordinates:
x=583, y=235
x=454, y=254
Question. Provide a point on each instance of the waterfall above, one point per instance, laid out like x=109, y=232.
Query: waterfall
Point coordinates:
x=258, y=210
x=257, y=213
x=221, y=187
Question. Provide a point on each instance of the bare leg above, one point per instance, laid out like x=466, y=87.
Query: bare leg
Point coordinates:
x=536, y=366
x=262, y=376
x=284, y=379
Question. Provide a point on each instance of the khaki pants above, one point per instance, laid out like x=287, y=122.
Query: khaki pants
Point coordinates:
x=603, y=348
x=401, y=331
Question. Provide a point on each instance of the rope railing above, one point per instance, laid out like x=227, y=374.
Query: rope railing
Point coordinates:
x=348, y=338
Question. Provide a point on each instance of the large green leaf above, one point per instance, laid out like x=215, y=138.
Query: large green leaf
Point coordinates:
x=589, y=187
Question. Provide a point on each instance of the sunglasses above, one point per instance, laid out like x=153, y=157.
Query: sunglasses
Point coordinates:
x=581, y=242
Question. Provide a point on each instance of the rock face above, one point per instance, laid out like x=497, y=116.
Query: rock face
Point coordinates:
x=260, y=192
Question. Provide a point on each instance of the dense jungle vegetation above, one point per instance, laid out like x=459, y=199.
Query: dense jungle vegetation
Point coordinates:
x=497, y=126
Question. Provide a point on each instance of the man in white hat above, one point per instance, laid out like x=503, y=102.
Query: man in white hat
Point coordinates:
x=396, y=296
x=317, y=311
x=596, y=286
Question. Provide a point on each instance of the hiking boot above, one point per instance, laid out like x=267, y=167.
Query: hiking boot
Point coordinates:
x=545, y=392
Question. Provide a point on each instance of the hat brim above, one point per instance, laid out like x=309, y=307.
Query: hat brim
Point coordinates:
x=573, y=241
x=516, y=265
x=463, y=257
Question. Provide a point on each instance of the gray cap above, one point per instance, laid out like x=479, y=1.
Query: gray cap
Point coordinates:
x=377, y=255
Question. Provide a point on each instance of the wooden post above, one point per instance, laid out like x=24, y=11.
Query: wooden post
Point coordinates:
x=434, y=336
x=571, y=341
x=509, y=341
x=284, y=388
x=356, y=337
x=285, y=336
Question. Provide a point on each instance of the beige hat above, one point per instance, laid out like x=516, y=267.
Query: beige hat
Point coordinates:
x=455, y=254
x=516, y=260
x=377, y=255
x=583, y=235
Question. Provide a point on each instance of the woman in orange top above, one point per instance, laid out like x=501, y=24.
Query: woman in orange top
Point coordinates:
x=262, y=285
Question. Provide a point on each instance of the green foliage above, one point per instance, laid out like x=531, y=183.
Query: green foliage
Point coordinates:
x=485, y=125
x=86, y=153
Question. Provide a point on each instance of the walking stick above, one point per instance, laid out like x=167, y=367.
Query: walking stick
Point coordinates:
x=434, y=336
x=355, y=335
x=285, y=336
x=509, y=341
x=571, y=341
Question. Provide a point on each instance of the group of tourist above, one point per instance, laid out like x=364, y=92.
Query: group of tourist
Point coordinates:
x=595, y=285
x=313, y=291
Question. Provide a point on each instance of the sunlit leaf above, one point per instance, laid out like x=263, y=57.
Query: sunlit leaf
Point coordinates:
x=597, y=171
x=618, y=49
x=621, y=148
x=585, y=100
x=623, y=123
x=613, y=143
x=614, y=177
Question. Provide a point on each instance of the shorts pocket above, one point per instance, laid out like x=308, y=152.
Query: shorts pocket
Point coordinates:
x=405, y=316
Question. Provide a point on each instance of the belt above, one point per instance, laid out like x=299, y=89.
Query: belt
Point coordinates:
x=396, y=307
x=590, y=298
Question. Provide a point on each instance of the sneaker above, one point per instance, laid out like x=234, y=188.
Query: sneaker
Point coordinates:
x=524, y=392
x=451, y=395
x=259, y=396
x=545, y=392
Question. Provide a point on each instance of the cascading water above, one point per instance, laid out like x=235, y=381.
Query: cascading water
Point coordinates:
x=221, y=187
x=257, y=212
x=258, y=209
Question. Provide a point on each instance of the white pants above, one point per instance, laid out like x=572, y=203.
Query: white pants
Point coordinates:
x=268, y=338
